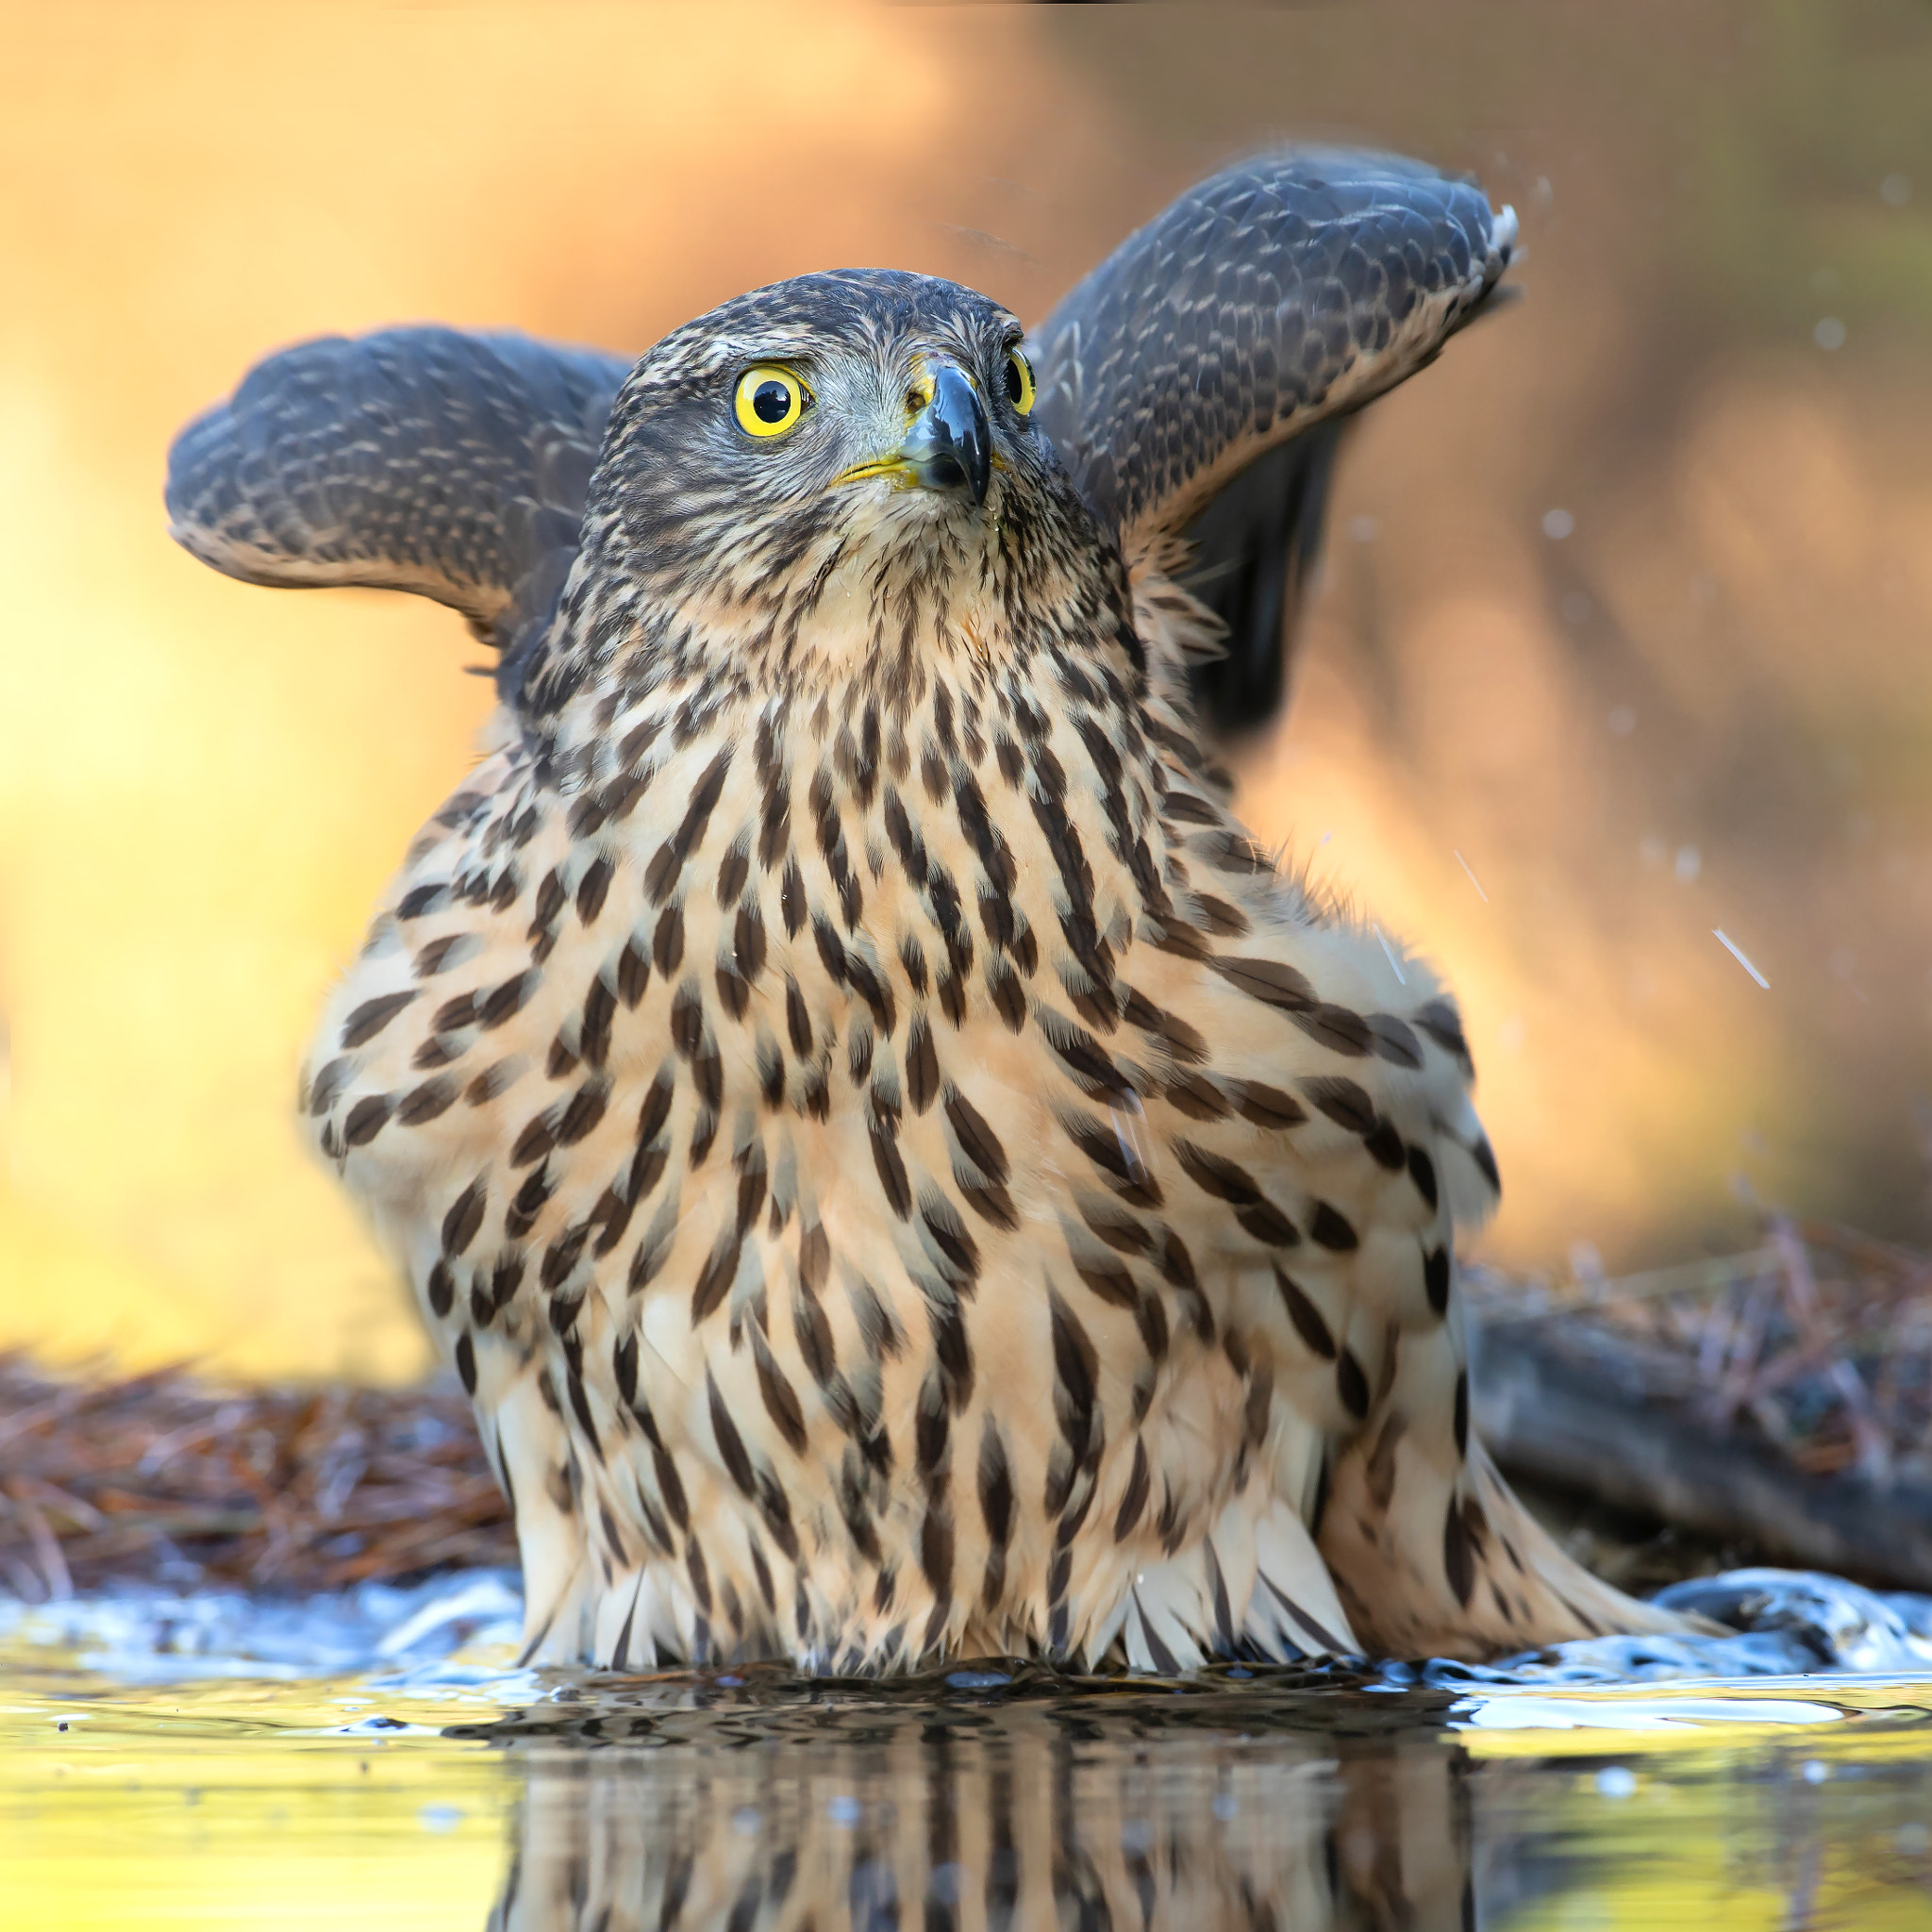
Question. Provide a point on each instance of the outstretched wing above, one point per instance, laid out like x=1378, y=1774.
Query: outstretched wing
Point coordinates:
x=418, y=459
x=1196, y=382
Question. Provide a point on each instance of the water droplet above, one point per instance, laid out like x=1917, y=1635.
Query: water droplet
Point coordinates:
x=439, y=1817
x=1557, y=524
x=1829, y=334
x=1688, y=864
x=1224, y=1807
x=1616, y=1781
x=1894, y=191
x=1363, y=529
x=842, y=1811
x=1814, y=1771
x=1738, y=952
x=746, y=1820
x=1388, y=951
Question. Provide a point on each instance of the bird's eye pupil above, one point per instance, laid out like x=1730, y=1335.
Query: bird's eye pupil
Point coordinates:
x=771, y=402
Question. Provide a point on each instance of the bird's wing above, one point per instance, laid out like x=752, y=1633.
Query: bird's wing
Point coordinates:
x=420, y=459
x=1315, y=1150
x=1196, y=382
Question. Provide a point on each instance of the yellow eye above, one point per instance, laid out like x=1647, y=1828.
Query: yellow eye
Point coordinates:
x=770, y=401
x=1019, y=382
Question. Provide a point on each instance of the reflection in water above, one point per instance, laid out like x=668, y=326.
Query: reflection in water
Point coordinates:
x=989, y=1800
x=1275, y=1802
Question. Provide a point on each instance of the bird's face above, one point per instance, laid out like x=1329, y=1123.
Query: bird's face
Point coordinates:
x=828, y=396
x=925, y=410
x=858, y=437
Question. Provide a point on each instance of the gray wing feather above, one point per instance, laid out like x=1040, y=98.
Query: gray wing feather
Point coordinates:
x=1195, y=382
x=1254, y=547
x=420, y=459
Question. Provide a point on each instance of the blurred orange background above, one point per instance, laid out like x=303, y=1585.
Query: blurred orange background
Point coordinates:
x=1625, y=632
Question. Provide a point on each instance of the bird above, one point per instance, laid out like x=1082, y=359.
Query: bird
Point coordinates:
x=901, y=1171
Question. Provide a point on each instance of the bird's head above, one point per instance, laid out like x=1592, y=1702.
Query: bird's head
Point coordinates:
x=832, y=475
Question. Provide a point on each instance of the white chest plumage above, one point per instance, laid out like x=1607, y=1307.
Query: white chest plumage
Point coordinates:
x=899, y=1181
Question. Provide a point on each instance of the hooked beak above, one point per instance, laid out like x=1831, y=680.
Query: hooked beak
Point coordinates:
x=949, y=445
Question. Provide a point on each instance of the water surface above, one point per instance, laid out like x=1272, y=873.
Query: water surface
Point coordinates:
x=377, y=1759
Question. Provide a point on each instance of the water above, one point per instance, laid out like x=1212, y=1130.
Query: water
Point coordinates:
x=376, y=1759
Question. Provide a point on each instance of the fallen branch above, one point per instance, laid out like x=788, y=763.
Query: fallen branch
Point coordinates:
x=1549, y=1419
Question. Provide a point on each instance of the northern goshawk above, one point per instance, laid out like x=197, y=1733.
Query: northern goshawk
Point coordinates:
x=900, y=1171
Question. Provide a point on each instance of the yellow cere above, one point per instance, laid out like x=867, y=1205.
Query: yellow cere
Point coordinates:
x=1019, y=382
x=770, y=401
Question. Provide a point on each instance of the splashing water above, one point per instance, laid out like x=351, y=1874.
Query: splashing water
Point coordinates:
x=460, y=1629
x=162, y=1637
x=1779, y=1622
